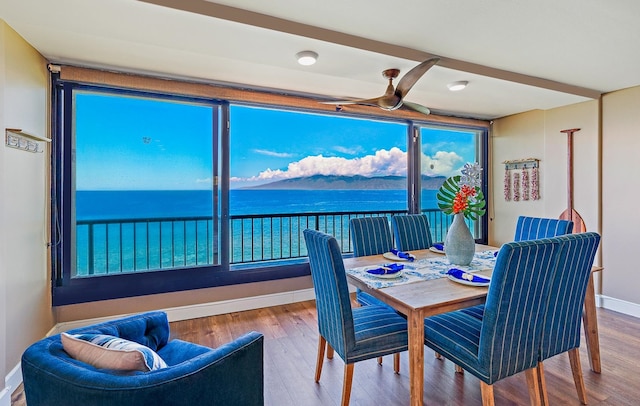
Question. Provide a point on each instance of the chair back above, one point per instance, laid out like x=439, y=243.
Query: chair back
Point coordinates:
x=411, y=231
x=532, y=228
x=335, y=318
x=370, y=236
x=568, y=288
x=515, y=308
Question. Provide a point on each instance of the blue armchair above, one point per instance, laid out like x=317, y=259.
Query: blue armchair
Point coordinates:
x=196, y=375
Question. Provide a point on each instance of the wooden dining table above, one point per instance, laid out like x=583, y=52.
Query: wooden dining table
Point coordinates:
x=426, y=298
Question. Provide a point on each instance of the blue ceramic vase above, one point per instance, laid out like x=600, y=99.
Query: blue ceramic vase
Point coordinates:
x=459, y=245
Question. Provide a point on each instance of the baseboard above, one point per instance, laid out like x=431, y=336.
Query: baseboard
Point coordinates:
x=617, y=305
x=207, y=309
x=11, y=382
x=5, y=397
x=237, y=305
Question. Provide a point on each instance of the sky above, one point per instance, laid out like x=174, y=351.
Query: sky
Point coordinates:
x=269, y=145
x=125, y=143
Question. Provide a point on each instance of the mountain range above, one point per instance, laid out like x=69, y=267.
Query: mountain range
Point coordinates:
x=356, y=182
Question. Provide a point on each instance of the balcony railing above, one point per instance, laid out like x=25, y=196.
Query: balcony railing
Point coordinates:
x=135, y=245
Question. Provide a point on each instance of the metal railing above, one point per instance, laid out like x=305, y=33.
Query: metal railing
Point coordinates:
x=133, y=245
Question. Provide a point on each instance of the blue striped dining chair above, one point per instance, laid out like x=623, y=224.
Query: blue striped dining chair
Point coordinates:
x=371, y=236
x=411, y=231
x=531, y=228
x=356, y=334
x=507, y=339
x=561, y=329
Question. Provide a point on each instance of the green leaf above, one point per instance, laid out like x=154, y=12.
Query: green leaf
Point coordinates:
x=447, y=193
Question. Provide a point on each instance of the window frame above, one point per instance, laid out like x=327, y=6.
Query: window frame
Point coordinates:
x=67, y=290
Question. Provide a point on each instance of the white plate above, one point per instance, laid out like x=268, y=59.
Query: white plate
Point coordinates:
x=393, y=257
x=437, y=251
x=385, y=276
x=470, y=283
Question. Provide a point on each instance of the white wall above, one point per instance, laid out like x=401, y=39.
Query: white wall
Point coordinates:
x=536, y=134
x=620, y=197
x=605, y=185
x=25, y=314
x=3, y=274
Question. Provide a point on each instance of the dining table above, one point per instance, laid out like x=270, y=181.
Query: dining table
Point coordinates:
x=432, y=292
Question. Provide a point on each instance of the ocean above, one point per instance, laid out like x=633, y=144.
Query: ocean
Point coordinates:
x=113, y=234
x=104, y=205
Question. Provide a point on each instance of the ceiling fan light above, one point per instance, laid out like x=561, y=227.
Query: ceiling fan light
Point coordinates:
x=457, y=86
x=307, y=57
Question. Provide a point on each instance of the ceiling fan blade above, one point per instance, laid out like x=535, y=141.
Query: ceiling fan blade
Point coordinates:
x=415, y=107
x=410, y=79
x=365, y=102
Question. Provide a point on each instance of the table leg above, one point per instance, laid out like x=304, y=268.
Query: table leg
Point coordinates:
x=590, y=323
x=415, y=323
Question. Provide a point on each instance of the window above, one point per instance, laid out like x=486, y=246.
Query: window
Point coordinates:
x=443, y=153
x=292, y=170
x=158, y=192
x=143, y=184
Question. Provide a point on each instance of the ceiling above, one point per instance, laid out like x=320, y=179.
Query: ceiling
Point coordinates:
x=518, y=55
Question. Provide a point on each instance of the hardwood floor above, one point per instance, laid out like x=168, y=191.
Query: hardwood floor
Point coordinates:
x=289, y=362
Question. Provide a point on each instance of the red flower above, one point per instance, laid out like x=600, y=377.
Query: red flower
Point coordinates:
x=460, y=202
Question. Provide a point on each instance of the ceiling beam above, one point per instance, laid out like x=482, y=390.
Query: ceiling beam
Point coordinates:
x=242, y=16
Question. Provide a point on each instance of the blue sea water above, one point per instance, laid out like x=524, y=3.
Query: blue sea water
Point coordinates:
x=103, y=205
x=127, y=245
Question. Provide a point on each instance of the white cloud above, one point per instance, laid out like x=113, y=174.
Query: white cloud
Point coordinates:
x=272, y=153
x=391, y=162
x=348, y=151
x=441, y=164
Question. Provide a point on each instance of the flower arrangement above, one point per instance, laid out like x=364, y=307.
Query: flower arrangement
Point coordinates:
x=462, y=193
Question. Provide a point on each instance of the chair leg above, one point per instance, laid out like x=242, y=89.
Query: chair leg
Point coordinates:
x=438, y=355
x=329, y=352
x=396, y=362
x=379, y=360
x=533, y=384
x=576, y=369
x=487, y=394
x=459, y=369
x=322, y=343
x=544, y=398
x=346, y=386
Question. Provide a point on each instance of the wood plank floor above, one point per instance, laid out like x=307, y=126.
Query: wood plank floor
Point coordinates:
x=289, y=361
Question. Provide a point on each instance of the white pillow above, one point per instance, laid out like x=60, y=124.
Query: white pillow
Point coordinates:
x=109, y=352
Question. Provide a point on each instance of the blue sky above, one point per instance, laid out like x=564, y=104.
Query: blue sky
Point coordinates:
x=125, y=143
x=270, y=145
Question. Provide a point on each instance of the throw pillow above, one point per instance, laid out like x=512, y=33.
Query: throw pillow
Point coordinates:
x=109, y=352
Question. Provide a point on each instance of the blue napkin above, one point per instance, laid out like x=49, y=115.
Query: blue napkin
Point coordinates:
x=402, y=254
x=466, y=276
x=439, y=247
x=387, y=269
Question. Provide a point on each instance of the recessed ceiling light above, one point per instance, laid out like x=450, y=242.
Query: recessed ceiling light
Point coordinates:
x=456, y=86
x=307, y=57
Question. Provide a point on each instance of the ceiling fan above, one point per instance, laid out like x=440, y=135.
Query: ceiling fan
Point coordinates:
x=393, y=99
